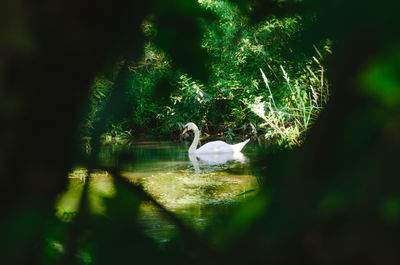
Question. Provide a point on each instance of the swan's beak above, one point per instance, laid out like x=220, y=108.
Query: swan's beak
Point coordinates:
x=184, y=131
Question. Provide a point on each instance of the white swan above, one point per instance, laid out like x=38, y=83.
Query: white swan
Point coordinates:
x=214, y=147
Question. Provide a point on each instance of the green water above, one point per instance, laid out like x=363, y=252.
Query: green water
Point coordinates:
x=201, y=191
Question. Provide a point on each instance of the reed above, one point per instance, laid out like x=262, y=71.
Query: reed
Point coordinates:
x=289, y=121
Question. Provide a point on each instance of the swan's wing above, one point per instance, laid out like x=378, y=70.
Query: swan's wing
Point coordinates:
x=215, y=147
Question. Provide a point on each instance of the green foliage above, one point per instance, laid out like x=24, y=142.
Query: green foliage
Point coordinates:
x=290, y=121
x=99, y=94
x=188, y=103
x=145, y=74
x=226, y=104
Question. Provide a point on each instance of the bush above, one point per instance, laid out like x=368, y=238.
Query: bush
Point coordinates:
x=233, y=101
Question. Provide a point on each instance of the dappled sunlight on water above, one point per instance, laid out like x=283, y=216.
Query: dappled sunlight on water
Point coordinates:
x=196, y=190
x=177, y=190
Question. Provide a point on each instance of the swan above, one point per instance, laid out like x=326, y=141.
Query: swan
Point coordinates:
x=214, y=147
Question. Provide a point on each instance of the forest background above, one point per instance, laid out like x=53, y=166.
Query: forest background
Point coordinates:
x=236, y=98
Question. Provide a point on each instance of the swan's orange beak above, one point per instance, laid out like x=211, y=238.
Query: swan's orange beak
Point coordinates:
x=184, y=131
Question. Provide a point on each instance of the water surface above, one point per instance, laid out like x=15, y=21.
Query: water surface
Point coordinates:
x=200, y=190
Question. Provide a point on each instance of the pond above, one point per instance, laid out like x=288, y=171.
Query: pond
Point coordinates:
x=200, y=190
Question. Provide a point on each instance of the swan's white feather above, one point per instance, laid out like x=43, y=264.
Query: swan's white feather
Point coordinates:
x=238, y=147
x=221, y=147
x=215, y=147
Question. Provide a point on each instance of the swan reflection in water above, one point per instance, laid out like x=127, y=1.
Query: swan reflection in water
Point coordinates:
x=215, y=159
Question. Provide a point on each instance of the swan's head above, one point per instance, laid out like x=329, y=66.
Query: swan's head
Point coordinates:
x=189, y=126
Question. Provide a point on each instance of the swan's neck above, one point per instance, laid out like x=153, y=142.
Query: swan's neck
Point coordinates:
x=195, y=142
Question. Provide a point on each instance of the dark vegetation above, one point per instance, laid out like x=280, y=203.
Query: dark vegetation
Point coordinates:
x=334, y=200
x=234, y=97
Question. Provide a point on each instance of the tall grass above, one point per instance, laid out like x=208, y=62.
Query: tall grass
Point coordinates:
x=288, y=122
